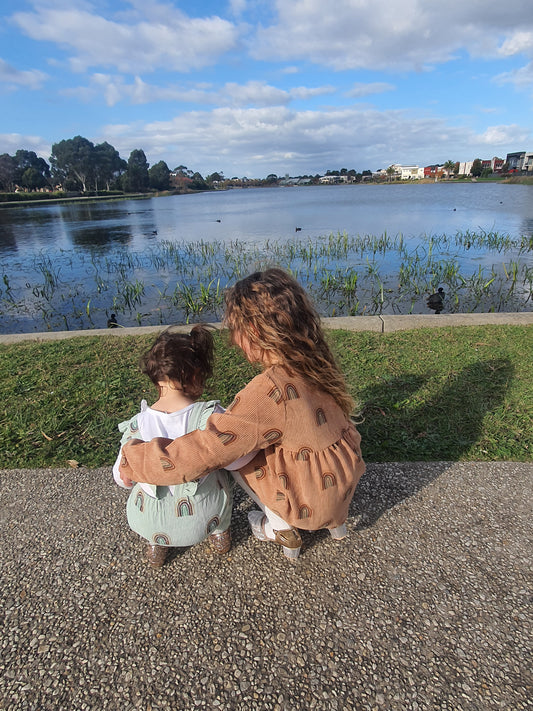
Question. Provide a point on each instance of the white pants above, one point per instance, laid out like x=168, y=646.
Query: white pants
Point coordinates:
x=273, y=522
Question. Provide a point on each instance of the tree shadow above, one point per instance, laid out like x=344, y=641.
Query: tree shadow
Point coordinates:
x=439, y=430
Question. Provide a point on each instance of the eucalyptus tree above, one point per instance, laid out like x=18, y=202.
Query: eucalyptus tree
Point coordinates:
x=8, y=169
x=136, y=178
x=73, y=161
x=32, y=171
x=159, y=176
x=107, y=165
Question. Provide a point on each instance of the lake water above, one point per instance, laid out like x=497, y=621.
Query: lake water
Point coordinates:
x=70, y=265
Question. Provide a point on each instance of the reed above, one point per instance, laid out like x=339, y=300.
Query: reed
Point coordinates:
x=346, y=274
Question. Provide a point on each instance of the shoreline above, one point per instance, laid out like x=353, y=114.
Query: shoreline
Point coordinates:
x=378, y=324
x=521, y=180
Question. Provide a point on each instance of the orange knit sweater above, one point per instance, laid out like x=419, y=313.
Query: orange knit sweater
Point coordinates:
x=309, y=460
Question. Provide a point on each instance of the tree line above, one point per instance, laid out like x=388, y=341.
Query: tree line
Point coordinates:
x=77, y=164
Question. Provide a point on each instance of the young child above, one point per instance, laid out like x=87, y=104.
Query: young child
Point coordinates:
x=296, y=412
x=181, y=515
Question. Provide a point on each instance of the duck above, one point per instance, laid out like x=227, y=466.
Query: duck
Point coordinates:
x=436, y=300
x=297, y=229
x=112, y=321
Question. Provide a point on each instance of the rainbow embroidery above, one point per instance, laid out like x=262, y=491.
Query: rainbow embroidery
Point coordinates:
x=291, y=393
x=284, y=480
x=139, y=500
x=275, y=394
x=227, y=437
x=184, y=508
x=272, y=435
x=304, y=454
x=328, y=480
x=305, y=512
x=213, y=524
x=235, y=402
x=320, y=417
x=166, y=464
x=161, y=539
x=260, y=473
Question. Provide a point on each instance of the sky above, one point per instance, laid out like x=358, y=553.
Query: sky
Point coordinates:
x=253, y=87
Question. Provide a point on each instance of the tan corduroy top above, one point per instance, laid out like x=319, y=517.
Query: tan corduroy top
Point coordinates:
x=309, y=461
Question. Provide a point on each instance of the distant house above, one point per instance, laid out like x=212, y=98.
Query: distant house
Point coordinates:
x=408, y=172
x=434, y=171
x=515, y=160
x=465, y=168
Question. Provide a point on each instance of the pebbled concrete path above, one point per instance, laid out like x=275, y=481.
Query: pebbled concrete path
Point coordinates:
x=426, y=605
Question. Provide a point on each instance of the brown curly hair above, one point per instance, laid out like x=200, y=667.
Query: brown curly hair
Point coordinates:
x=275, y=313
x=182, y=358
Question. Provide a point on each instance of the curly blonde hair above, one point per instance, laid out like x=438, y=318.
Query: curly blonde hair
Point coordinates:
x=276, y=315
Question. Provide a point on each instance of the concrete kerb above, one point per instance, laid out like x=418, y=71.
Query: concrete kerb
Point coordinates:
x=377, y=324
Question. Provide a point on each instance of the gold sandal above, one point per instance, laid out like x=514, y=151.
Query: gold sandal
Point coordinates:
x=289, y=539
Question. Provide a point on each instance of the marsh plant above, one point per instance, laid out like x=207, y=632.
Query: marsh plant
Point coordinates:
x=175, y=282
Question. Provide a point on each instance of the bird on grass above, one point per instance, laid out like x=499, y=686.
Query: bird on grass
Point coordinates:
x=436, y=301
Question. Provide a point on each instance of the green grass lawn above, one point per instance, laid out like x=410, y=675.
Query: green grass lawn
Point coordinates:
x=461, y=393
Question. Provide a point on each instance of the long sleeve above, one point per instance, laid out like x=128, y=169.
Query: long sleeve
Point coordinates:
x=252, y=422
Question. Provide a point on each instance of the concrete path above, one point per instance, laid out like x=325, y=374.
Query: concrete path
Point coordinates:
x=426, y=605
x=380, y=324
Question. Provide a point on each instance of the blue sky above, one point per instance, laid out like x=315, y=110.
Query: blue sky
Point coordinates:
x=252, y=87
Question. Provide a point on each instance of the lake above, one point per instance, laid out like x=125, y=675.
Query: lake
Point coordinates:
x=358, y=249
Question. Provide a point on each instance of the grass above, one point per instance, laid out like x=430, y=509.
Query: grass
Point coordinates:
x=462, y=393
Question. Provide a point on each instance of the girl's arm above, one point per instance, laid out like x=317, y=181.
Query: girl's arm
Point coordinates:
x=254, y=421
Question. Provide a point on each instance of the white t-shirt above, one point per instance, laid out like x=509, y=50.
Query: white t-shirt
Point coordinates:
x=154, y=423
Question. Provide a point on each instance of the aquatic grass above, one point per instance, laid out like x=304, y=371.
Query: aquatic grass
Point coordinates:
x=345, y=273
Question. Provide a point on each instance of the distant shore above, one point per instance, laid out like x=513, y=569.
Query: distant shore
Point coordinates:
x=517, y=180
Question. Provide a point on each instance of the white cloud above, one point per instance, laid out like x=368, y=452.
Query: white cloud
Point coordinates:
x=11, y=142
x=361, y=89
x=522, y=78
x=518, y=43
x=259, y=141
x=162, y=37
x=399, y=35
x=14, y=78
x=115, y=89
x=506, y=135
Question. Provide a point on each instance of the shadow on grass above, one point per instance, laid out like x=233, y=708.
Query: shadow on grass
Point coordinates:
x=413, y=427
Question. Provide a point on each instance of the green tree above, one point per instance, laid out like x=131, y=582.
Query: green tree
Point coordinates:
x=476, y=168
x=40, y=170
x=159, y=176
x=391, y=172
x=8, y=169
x=108, y=165
x=73, y=161
x=215, y=178
x=198, y=183
x=136, y=178
x=33, y=179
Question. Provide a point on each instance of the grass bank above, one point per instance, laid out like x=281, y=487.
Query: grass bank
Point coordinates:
x=462, y=393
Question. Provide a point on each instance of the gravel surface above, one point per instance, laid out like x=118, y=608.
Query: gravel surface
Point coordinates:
x=426, y=605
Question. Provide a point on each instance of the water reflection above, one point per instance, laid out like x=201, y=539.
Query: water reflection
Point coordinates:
x=165, y=260
x=8, y=242
x=91, y=237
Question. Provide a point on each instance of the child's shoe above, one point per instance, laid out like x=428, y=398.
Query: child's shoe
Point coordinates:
x=289, y=539
x=221, y=542
x=338, y=533
x=156, y=555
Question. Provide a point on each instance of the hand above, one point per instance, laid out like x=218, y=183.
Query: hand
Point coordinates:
x=128, y=483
